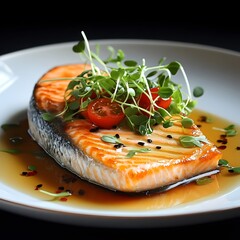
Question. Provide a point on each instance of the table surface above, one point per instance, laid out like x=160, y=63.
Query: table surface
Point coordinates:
x=27, y=35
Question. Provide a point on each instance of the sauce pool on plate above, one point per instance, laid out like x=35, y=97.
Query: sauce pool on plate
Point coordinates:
x=27, y=168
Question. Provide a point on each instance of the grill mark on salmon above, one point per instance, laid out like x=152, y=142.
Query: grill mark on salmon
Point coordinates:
x=82, y=152
x=50, y=93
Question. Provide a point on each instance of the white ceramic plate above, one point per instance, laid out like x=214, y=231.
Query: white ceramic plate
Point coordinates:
x=217, y=70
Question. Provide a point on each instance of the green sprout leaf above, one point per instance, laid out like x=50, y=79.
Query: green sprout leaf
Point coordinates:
x=198, y=91
x=165, y=92
x=187, y=122
x=8, y=126
x=130, y=63
x=151, y=74
x=144, y=130
x=120, y=55
x=167, y=124
x=234, y=170
x=74, y=105
x=48, y=116
x=132, y=152
x=80, y=47
x=204, y=180
x=230, y=130
x=110, y=139
x=224, y=163
x=173, y=67
x=191, y=141
x=11, y=151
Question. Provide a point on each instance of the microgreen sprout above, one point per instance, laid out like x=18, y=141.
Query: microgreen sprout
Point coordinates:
x=110, y=139
x=224, y=163
x=204, y=180
x=132, y=152
x=56, y=195
x=230, y=130
x=124, y=81
x=11, y=151
x=8, y=126
x=191, y=141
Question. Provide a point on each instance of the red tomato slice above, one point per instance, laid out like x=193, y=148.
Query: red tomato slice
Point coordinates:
x=104, y=113
x=145, y=103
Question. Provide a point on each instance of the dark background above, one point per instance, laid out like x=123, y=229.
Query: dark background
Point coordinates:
x=196, y=22
x=215, y=26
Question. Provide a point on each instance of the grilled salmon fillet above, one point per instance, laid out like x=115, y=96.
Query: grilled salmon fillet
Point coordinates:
x=76, y=145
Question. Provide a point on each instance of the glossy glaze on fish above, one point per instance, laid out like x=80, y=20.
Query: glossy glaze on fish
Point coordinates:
x=75, y=146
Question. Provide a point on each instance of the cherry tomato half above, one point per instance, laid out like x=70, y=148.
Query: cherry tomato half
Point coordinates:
x=104, y=113
x=144, y=101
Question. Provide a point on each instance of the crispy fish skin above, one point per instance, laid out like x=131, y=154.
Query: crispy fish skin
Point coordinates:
x=82, y=152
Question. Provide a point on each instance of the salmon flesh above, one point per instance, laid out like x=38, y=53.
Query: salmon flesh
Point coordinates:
x=77, y=147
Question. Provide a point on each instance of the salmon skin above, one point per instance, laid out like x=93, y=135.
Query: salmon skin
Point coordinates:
x=76, y=146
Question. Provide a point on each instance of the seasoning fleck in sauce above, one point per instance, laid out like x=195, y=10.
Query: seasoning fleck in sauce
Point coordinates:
x=27, y=168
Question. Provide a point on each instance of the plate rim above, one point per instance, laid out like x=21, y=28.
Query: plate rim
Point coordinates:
x=121, y=41
x=111, y=221
x=189, y=45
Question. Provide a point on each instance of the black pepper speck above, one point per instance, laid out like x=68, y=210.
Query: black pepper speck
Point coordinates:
x=141, y=143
